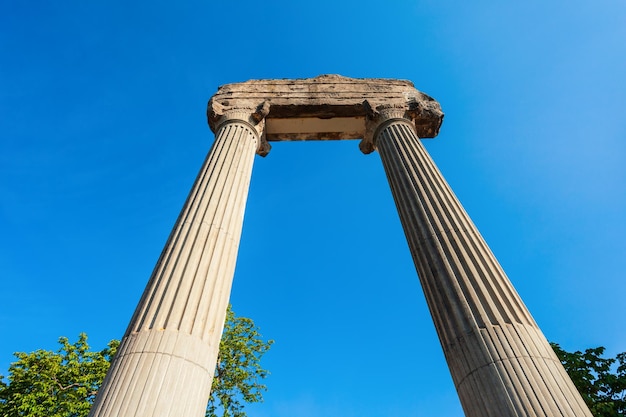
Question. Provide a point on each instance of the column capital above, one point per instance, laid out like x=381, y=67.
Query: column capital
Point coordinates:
x=253, y=117
x=378, y=117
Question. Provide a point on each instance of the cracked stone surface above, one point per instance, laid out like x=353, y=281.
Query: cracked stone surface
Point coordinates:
x=325, y=107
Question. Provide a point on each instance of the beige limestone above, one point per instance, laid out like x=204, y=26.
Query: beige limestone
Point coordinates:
x=500, y=362
x=165, y=364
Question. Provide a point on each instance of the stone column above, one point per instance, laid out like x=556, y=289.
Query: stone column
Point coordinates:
x=500, y=362
x=165, y=364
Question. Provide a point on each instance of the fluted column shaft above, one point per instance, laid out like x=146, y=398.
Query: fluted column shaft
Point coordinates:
x=500, y=362
x=165, y=363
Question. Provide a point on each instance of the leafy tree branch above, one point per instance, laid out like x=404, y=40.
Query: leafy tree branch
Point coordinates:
x=65, y=383
x=601, y=381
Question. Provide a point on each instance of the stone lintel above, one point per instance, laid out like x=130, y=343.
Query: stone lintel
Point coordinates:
x=325, y=107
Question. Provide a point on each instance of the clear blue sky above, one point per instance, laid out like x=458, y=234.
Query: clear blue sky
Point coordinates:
x=103, y=129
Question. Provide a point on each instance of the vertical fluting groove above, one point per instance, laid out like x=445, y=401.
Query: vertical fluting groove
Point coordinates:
x=527, y=373
x=187, y=322
x=522, y=399
x=157, y=278
x=500, y=362
x=448, y=335
x=165, y=363
x=189, y=259
x=441, y=223
x=226, y=267
x=492, y=290
x=394, y=169
x=444, y=225
x=443, y=287
x=184, y=230
x=465, y=231
x=214, y=163
x=391, y=149
x=232, y=253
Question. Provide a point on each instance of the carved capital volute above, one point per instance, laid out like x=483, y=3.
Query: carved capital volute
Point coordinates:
x=377, y=118
x=219, y=116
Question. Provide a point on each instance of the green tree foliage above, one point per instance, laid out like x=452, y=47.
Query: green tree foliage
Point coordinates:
x=601, y=381
x=64, y=383
x=238, y=373
x=55, y=384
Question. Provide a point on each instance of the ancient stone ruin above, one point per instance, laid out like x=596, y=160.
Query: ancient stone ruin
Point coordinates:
x=500, y=362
